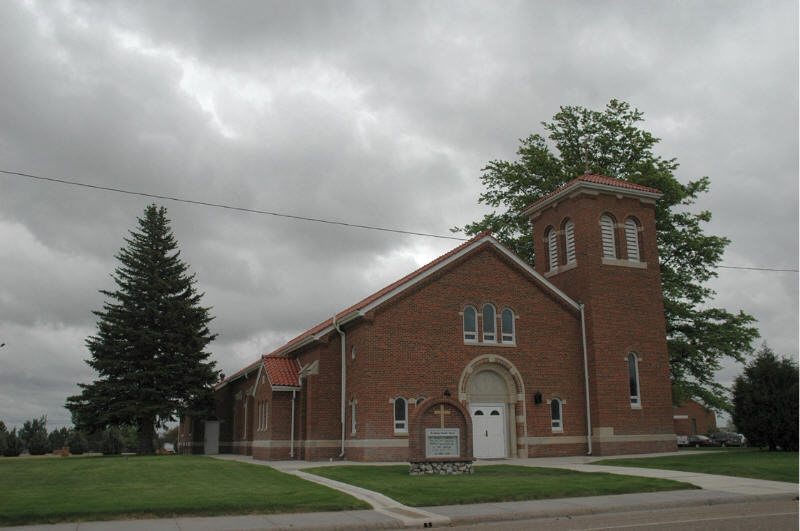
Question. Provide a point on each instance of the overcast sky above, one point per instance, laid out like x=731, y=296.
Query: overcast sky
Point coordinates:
x=375, y=113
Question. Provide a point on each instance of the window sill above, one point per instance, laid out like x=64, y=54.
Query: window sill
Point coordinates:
x=561, y=269
x=401, y=433
x=558, y=430
x=636, y=406
x=490, y=344
x=636, y=264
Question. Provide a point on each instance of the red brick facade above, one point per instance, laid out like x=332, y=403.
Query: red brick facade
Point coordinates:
x=691, y=418
x=407, y=342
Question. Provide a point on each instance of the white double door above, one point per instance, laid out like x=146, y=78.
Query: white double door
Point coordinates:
x=488, y=430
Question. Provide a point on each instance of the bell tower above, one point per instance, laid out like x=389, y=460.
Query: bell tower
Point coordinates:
x=595, y=239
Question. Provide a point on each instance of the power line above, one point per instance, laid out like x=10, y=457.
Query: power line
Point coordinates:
x=230, y=207
x=758, y=268
x=292, y=216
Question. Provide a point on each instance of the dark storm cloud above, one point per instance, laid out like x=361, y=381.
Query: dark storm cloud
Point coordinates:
x=362, y=112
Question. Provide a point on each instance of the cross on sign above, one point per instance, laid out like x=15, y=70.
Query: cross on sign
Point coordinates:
x=441, y=412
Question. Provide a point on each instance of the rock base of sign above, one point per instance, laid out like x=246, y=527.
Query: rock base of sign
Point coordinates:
x=443, y=468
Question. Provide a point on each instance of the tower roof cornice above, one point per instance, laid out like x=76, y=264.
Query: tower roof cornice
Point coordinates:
x=594, y=183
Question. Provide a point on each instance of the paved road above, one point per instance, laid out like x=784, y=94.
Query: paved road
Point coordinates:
x=754, y=516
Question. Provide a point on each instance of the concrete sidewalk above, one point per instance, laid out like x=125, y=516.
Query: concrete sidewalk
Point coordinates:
x=390, y=514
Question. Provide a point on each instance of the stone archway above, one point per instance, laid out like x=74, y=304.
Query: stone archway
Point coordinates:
x=492, y=390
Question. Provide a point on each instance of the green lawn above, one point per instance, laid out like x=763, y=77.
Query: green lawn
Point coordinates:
x=490, y=483
x=39, y=490
x=741, y=462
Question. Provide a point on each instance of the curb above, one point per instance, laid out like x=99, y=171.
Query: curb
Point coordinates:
x=583, y=511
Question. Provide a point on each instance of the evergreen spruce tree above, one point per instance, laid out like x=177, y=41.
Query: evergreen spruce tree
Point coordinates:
x=610, y=142
x=151, y=335
x=765, y=405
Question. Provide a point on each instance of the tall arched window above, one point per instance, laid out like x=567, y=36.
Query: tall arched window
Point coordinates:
x=552, y=250
x=489, y=325
x=569, y=241
x=607, y=233
x=555, y=415
x=470, y=324
x=632, y=239
x=353, y=424
x=633, y=379
x=400, y=415
x=507, y=326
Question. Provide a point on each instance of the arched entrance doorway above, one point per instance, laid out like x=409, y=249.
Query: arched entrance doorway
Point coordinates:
x=491, y=391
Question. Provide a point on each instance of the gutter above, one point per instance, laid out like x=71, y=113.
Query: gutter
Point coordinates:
x=586, y=384
x=291, y=449
x=342, y=341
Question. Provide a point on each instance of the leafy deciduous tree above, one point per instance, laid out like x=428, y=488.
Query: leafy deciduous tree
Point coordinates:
x=149, y=348
x=611, y=143
x=765, y=401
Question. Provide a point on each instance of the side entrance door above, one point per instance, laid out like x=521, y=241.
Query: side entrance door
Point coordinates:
x=211, y=437
x=488, y=430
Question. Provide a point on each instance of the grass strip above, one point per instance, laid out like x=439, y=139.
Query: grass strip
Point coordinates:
x=745, y=463
x=491, y=483
x=100, y=488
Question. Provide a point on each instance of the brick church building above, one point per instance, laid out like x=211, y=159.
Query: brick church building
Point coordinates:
x=568, y=357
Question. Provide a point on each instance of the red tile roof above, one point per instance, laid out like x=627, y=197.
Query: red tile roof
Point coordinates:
x=377, y=295
x=286, y=369
x=596, y=179
x=282, y=370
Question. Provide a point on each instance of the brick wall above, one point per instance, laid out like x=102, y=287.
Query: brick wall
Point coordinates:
x=624, y=313
x=699, y=421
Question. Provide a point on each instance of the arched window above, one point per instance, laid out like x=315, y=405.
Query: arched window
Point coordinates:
x=569, y=241
x=507, y=325
x=607, y=232
x=420, y=400
x=552, y=250
x=632, y=239
x=470, y=324
x=400, y=415
x=633, y=379
x=555, y=415
x=489, y=325
x=353, y=416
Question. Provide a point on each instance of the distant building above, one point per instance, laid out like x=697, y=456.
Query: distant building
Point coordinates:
x=520, y=347
x=692, y=418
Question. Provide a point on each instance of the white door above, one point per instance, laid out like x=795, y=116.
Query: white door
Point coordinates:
x=488, y=430
x=211, y=438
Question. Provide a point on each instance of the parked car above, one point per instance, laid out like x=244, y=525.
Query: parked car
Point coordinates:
x=700, y=440
x=683, y=440
x=727, y=438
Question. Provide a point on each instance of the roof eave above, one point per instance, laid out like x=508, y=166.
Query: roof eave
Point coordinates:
x=566, y=192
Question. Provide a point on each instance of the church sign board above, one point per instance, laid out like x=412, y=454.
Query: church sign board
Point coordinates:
x=440, y=438
x=441, y=442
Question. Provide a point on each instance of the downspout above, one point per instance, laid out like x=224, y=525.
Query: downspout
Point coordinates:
x=586, y=384
x=291, y=447
x=344, y=377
